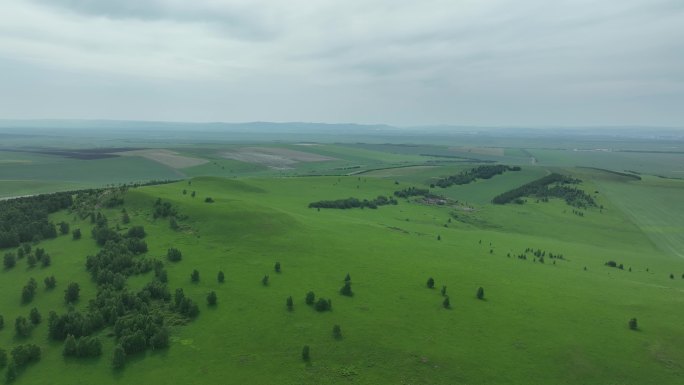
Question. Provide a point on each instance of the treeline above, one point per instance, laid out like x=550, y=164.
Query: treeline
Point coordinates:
x=541, y=188
x=26, y=219
x=351, y=203
x=412, y=192
x=481, y=172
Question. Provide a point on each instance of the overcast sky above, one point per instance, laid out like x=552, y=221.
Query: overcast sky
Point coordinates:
x=463, y=62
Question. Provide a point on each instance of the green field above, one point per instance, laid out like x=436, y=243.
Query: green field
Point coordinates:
x=540, y=323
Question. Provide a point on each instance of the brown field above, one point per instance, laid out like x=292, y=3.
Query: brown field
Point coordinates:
x=166, y=157
x=276, y=158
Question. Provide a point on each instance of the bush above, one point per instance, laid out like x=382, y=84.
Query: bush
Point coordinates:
x=431, y=283
x=34, y=316
x=290, y=303
x=337, y=332
x=346, y=289
x=221, y=277
x=277, y=267
x=194, y=276
x=323, y=304
x=446, y=303
x=480, y=293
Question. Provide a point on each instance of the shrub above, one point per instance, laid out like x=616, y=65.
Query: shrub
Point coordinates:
x=337, y=332
x=211, y=298
x=633, y=324
x=346, y=289
x=289, y=303
x=310, y=298
x=306, y=353
x=430, y=283
x=480, y=293
x=277, y=267
x=221, y=277
x=174, y=255
x=194, y=276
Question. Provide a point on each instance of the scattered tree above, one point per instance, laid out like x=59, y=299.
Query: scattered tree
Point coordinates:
x=443, y=291
x=76, y=234
x=22, y=326
x=264, y=280
x=35, y=316
x=50, y=282
x=480, y=293
x=72, y=293
x=289, y=303
x=211, y=298
x=10, y=260
x=64, y=228
x=306, y=353
x=337, y=332
x=323, y=304
x=430, y=283
x=194, y=276
x=633, y=324
x=446, y=303
x=310, y=298
x=221, y=277
x=119, y=359
x=46, y=261
x=173, y=255
x=347, y=278
x=346, y=289
x=277, y=267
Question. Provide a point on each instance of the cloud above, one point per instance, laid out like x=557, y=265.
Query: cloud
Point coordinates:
x=395, y=61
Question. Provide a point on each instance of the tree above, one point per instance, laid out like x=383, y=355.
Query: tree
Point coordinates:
x=136, y=232
x=11, y=374
x=347, y=278
x=446, y=303
x=174, y=255
x=439, y=237
x=76, y=234
x=194, y=277
x=671, y=276
x=346, y=289
x=443, y=291
x=119, y=359
x=480, y=293
x=323, y=304
x=125, y=219
x=306, y=353
x=72, y=293
x=173, y=224
x=430, y=283
x=289, y=303
x=29, y=291
x=277, y=267
x=264, y=280
x=64, y=228
x=22, y=326
x=3, y=358
x=10, y=260
x=35, y=317
x=50, y=282
x=310, y=298
x=2, y=322
x=221, y=277
x=31, y=260
x=337, y=332
x=211, y=298
x=46, y=260
x=69, y=346
x=208, y=200
x=633, y=324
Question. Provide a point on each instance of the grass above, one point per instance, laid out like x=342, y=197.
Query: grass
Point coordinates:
x=539, y=324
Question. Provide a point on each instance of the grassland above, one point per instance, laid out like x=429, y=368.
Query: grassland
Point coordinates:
x=540, y=324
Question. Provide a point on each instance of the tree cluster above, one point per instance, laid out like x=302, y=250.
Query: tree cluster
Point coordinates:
x=552, y=185
x=82, y=347
x=350, y=203
x=26, y=219
x=481, y=172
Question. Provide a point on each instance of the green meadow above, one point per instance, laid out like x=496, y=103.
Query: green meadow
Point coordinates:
x=563, y=321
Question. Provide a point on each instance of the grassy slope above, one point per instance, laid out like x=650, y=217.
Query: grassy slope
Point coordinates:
x=540, y=324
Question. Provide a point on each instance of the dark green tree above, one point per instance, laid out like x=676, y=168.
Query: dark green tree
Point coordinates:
x=264, y=280
x=446, y=303
x=31, y=260
x=125, y=219
x=11, y=373
x=173, y=224
x=69, y=346
x=310, y=298
x=2, y=322
x=10, y=260
x=76, y=234
x=211, y=298
x=174, y=255
x=633, y=324
x=480, y=293
x=221, y=277
x=35, y=316
x=347, y=278
x=337, y=332
x=194, y=276
x=430, y=283
x=3, y=358
x=22, y=327
x=46, y=260
x=443, y=291
x=64, y=228
x=289, y=303
x=119, y=359
x=306, y=353
x=72, y=292
x=323, y=305
x=50, y=282
x=277, y=267
x=346, y=289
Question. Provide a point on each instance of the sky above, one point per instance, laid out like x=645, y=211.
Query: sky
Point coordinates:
x=422, y=62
